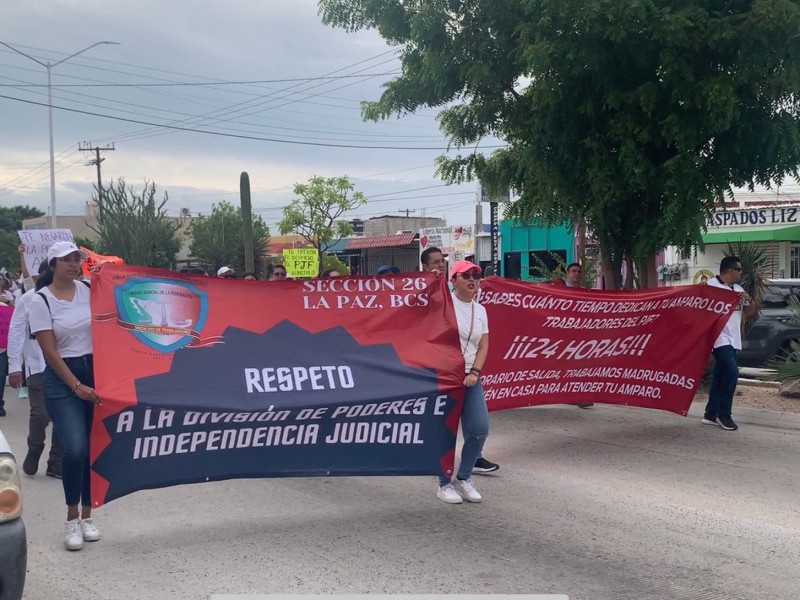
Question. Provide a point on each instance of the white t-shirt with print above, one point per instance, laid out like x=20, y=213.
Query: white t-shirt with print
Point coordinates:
x=70, y=321
x=731, y=335
x=465, y=313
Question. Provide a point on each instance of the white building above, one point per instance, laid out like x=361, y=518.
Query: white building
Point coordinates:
x=774, y=228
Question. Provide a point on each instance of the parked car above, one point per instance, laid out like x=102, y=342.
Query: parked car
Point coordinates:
x=775, y=328
x=13, y=541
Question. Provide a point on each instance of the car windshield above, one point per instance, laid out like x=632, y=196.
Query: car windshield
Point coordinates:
x=777, y=295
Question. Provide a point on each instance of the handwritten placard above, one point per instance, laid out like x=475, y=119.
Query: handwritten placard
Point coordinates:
x=37, y=242
x=301, y=262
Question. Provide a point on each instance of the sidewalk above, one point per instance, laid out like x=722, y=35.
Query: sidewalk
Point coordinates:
x=754, y=416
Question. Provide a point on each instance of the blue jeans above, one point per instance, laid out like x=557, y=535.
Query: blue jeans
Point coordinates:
x=72, y=422
x=475, y=427
x=723, y=383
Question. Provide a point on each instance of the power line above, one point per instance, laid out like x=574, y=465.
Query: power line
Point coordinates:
x=383, y=137
x=370, y=201
x=232, y=135
x=72, y=149
x=289, y=187
x=217, y=115
x=81, y=62
x=203, y=83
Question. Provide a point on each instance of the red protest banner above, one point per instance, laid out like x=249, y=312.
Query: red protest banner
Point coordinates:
x=204, y=379
x=94, y=261
x=557, y=345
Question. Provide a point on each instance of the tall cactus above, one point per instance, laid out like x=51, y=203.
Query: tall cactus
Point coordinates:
x=247, y=222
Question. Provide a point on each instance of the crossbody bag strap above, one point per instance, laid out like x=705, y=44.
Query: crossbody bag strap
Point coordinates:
x=471, y=327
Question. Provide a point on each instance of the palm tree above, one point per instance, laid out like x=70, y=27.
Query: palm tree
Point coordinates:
x=754, y=264
x=787, y=367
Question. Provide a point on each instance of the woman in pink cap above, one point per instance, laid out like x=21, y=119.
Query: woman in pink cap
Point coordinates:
x=473, y=333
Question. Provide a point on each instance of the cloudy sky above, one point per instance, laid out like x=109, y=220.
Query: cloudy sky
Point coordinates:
x=174, y=66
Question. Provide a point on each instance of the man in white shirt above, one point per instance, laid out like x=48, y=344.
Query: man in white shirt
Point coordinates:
x=22, y=347
x=726, y=371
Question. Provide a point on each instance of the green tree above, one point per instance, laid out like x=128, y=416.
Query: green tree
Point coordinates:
x=87, y=243
x=135, y=226
x=316, y=214
x=787, y=363
x=10, y=223
x=331, y=261
x=217, y=239
x=637, y=115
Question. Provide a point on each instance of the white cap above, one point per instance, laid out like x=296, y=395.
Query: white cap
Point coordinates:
x=62, y=249
x=223, y=271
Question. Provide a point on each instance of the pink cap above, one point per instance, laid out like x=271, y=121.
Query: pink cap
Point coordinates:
x=462, y=266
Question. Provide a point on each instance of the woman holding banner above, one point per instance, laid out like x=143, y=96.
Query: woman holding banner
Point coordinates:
x=473, y=334
x=60, y=318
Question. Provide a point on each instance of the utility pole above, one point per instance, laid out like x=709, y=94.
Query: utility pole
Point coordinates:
x=406, y=210
x=87, y=147
x=478, y=229
x=49, y=66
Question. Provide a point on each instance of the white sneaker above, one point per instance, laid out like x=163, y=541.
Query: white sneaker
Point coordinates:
x=467, y=490
x=90, y=532
x=22, y=394
x=447, y=493
x=73, y=539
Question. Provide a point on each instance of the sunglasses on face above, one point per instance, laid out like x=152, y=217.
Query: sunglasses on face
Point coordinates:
x=473, y=276
x=279, y=274
x=737, y=269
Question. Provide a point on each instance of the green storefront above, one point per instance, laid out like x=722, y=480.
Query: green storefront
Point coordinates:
x=521, y=244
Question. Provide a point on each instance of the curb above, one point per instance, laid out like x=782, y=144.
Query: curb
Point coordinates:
x=755, y=416
x=759, y=383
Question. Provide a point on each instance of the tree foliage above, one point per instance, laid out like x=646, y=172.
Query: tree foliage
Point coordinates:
x=217, y=239
x=135, y=226
x=331, y=261
x=787, y=364
x=10, y=223
x=638, y=116
x=316, y=214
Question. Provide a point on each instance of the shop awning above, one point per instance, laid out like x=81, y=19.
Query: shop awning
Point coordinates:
x=337, y=247
x=773, y=233
x=382, y=241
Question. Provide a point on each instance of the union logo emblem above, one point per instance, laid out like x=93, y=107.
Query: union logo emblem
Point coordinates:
x=163, y=314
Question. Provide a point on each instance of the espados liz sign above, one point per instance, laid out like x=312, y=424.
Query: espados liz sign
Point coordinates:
x=774, y=215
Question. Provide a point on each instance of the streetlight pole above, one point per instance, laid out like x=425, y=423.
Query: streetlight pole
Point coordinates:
x=49, y=66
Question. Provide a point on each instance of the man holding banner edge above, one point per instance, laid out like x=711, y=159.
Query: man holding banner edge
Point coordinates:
x=725, y=375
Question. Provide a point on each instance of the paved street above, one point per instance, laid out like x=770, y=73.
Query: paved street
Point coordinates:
x=610, y=503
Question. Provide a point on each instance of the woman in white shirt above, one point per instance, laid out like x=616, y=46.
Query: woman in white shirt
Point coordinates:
x=60, y=319
x=473, y=334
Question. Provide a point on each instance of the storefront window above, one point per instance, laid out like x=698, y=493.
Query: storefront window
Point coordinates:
x=794, y=262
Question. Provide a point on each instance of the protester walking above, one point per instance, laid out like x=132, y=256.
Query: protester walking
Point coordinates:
x=473, y=334
x=23, y=349
x=433, y=261
x=725, y=375
x=60, y=318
